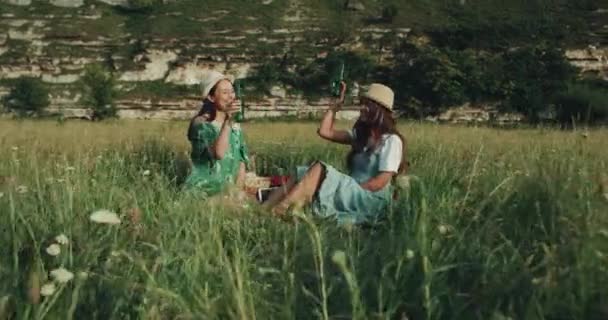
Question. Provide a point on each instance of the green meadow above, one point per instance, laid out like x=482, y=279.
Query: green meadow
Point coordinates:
x=495, y=224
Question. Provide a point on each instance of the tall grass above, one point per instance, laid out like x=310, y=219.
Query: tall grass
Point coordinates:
x=495, y=224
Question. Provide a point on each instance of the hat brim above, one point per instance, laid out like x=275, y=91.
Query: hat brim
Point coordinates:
x=365, y=96
x=212, y=84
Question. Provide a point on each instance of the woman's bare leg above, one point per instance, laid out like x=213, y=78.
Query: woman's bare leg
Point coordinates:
x=303, y=191
x=240, y=176
x=278, y=194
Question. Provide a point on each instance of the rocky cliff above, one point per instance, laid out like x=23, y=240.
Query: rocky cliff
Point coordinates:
x=55, y=40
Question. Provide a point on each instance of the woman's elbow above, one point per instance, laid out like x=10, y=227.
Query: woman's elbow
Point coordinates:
x=375, y=188
x=218, y=154
x=374, y=185
x=324, y=134
x=320, y=132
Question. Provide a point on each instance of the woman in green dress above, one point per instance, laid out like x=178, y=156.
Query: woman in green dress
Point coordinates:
x=219, y=154
x=377, y=155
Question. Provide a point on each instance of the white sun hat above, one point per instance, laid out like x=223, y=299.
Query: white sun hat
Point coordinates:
x=210, y=79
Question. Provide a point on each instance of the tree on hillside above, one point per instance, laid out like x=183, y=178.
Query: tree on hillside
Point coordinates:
x=100, y=91
x=28, y=97
x=534, y=77
x=430, y=77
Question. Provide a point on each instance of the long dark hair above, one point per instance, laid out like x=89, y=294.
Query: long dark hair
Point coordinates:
x=379, y=121
x=208, y=110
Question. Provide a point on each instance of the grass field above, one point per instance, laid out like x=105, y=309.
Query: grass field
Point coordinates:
x=496, y=224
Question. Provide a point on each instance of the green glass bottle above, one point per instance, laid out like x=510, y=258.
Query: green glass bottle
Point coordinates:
x=336, y=79
x=238, y=91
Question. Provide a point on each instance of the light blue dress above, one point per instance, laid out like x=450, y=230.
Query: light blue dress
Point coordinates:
x=341, y=196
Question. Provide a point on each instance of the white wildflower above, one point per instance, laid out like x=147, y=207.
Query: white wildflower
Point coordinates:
x=409, y=254
x=47, y=289
x=442, y=229
x=585, y=134
x=60, y=180
x=53, y=250
x=82, y=275
x=62, y=239
x=70, y=169
x=62, y=275
x=339, y=257
x=15, y=148
x=146, y=173
x=264, y=270
x=1, y=194
x=105, y=216
x=403, y=182
x=21, y=189
x=497, y=315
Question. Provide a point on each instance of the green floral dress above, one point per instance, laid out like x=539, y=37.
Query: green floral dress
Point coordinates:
x=211, y=175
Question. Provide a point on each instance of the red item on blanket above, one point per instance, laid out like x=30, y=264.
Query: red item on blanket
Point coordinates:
x=276, y=181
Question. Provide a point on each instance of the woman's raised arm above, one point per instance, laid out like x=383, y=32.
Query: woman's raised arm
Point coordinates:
x=326, y=130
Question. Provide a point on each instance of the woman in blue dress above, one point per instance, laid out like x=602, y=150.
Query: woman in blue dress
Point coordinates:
x=377, y=155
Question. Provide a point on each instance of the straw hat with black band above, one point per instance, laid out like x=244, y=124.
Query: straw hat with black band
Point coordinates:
x=381, y=95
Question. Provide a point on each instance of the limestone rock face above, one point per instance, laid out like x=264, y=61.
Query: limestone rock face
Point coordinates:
x=14, y=72
x=192, y=73
x=354, y=5
x=590, y=59
x=62, y=78
x=26, y=35
x=476, y=114
x=465, y=114
x=32, y=46
x=19, y=2
x=155, y=69
x=123, y=3
x=67, y=3
x=277, y=91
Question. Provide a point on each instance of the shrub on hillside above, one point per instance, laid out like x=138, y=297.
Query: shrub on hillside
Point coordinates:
x=533, y=77
x=389, y=12
x=497, y=30
x=482, y=74
x=582, y=104
x=143, y=5
x=526, y=79
x=431, y=77
x=100, y=92
x=357, y=66
x=266, y=75
x=315, y=76
x=28, y=97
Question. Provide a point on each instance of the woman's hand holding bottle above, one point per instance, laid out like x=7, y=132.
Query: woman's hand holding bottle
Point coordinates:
x=233, y=110
x=340, y=100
